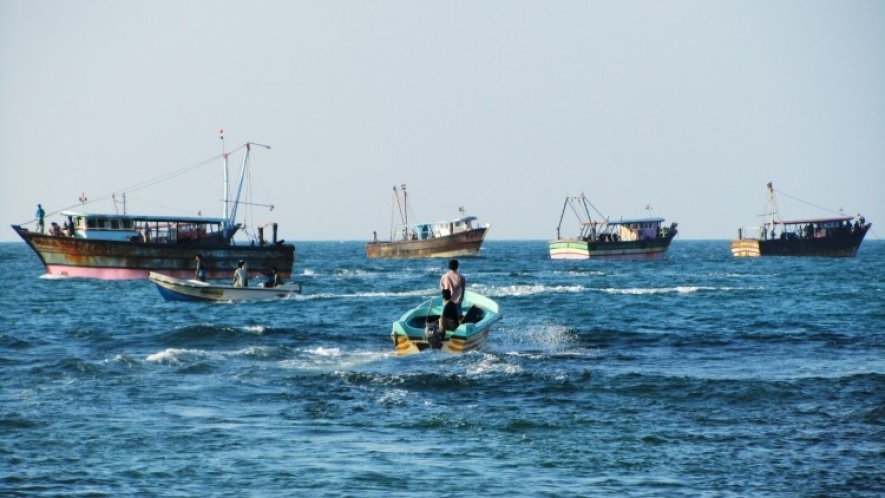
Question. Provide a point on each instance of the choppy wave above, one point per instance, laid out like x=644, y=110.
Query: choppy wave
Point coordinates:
x=696, y=375
x=658, y=290
x=527, y=290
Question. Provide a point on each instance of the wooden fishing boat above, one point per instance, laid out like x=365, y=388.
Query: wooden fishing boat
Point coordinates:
x=125, y=246
x=831, y=236
x=443, y=239
x=638, y=238
x=415, y=331
x=177, y=289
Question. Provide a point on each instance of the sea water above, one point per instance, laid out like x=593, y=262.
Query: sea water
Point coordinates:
x=698, y=374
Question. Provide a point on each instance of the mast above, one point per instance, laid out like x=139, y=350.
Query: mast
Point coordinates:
x=561, y=216
x=226, y=186
x=772, y=208
x=233, y=211
x=236, y=202
x=403, y=212
x=399, y=210
x=405, y=205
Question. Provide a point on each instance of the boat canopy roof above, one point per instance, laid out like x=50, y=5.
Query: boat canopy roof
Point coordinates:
x=150, y=218
x=464, y=219
x=815, y=220
x=625, y=222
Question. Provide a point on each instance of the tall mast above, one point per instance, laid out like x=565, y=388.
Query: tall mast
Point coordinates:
x=772, y=207
x=405, y=205
x=225, y=193
x=233, y=212
x=399, y=210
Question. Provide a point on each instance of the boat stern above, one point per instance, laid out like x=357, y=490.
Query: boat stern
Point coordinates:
x=745, y=248
x=403, y=346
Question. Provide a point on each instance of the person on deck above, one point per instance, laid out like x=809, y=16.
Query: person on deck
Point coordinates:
x=200, y=272
x=241, y=277
x=40, y=214
x=455, y=283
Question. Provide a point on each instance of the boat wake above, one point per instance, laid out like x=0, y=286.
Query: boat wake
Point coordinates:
x=528, y=290
x=657, y=290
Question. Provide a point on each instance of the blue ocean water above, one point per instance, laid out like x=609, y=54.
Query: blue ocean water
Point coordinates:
x=695, y=375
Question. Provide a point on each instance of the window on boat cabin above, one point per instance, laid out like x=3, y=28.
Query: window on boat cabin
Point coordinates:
x=91, y=223
x=115, y=224
x=127, y=224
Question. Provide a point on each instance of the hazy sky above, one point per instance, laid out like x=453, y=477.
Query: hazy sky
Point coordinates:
x=504, y=107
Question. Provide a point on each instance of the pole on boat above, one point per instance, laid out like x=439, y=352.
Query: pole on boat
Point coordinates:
x=233, y=212
x=225, y=185
x=772, y=207
x=403, y=216
x=405, y=205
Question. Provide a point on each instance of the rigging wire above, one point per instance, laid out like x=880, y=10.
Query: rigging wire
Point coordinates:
x=808, y=203
x=145, y=183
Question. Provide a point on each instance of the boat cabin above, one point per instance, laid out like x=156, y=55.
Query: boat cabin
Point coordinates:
x=625, y=230
x=423, y=231
x=814, y=228
x=134, y=228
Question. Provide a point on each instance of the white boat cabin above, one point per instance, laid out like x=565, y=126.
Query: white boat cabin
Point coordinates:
x=423, y=231
x=133, y=228
x=624, y=230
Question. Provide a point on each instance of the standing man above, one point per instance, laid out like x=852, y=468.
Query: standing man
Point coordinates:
x=241, y=278
x=455, y=283
x=200, y=273
x=40, y=215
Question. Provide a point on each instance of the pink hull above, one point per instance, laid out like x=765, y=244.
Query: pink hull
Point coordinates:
x=126, y=260
x=127, y=274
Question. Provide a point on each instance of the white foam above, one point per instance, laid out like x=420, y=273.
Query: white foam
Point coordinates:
x=47, y=276
x=655, y=290
x=175, y=355
x=528, y=290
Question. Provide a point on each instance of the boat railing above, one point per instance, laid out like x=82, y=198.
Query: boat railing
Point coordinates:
x=801, y=230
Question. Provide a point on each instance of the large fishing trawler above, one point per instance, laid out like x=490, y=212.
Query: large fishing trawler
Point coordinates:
x=442, y=239
x=638, y=238
x=112, y=246
x=834, y=236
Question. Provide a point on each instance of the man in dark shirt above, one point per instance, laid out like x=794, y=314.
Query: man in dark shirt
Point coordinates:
x=450, y=319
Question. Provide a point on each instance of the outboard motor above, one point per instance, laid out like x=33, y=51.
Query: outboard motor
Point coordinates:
x=433, y=335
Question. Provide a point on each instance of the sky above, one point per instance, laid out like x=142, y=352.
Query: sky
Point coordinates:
x=502, y=107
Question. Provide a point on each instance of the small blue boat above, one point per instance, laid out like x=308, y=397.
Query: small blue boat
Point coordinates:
x=416, y=330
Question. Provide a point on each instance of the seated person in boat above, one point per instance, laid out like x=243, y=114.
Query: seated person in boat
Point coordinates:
x=449, y=319
x=274, y=278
